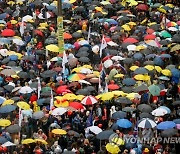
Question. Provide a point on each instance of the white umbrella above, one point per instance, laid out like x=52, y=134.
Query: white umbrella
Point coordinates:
x=8, y=144
x=16, y=89
x=108, y=63
x=59, y=111
x=26, y=18
x=86, y=71
x=27, y=112
x=159, y=112
x=95, y=129
x=116, y=58
x=84, y=81
x=173, y=29
x=111, y=43
x=131, y=48
x=25, y=90
x=18, y=42
x=146, y=123
x=4, y=52
x=40, y=16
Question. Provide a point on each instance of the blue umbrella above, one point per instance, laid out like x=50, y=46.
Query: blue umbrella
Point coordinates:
x=4, y=40
x=166, y=125
x=165, y=56
x=66, y=6
x=141, y=70
x=163, y=78
x=3, y=140
x=166, y=108
x=119, y=115
x=138, y=56
x=13, y=57
x=51, y=7
x=129, y=82
x=177, y=121
x=158, y=61
x=68, y=46
x=7, y=108
x=175, y=72
x=150, y=56
x=2, y=99
x=124, y=123
x=3, y=16
x=2, y=22
x=112, y=21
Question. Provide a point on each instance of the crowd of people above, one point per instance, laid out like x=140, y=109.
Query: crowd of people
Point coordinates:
x=114, y=89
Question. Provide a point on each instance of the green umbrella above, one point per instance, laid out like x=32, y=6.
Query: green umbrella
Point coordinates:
x=46, y=89
x=154, y=90
x=165, y=34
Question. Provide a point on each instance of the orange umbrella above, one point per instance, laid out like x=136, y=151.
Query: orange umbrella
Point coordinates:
x=67, y=36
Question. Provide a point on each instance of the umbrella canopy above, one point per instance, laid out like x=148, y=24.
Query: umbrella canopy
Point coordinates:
x=89, y=100
x=159, y=112
x=124, y=123
x=166, y=125
x=48, y=73
x=8, y=33
x=8, y=144
x=146, y=115
x=146, y=123
x=154, y=90
x=144, y=108
x=59, y=132
x=169, y=132
x=4, y=122
x=94, y=129
x=129, y=82
x=76, y=77
x=104, y=135
x=13, y=128
x=23, y=105
x=59, y=111
x=7, y=108
x=38, y=115
x=119, y=115
x=123, y=100
x=28, y=141
x=112, y=148
x=3, y=140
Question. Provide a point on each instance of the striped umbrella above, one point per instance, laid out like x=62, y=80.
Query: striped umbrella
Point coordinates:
x=146, y=123
x=89, y=100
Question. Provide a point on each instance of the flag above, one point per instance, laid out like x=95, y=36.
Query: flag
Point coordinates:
x=103, y=46
x=22, y=28
x=89, y=33
x=52, y=100
x=64, y=61
x=39, y=87
x=20, y=117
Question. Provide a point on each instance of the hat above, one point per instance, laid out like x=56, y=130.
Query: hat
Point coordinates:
x=146, y=150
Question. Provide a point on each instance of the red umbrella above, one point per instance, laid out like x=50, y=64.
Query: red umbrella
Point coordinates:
x=62, y=89
x=76, y=105
x=149, y=37
x=142, y=7
x=8, y=33
x=106, y=58
x=130, y=40
x=67, y=36
x=89, y=100
x=150, y=31
x=113, y=86
x=38, y=32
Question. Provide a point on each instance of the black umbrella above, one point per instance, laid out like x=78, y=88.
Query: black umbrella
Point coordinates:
x=127, y=89
x=142, y=87
x=77, y=35
x=50, y=41
x=108, y=6
x=29, y=26
x=15, y=98
x=104, y=135
x=73, y=133
x=68, y=152
x=84, y=59
x=177, y=121
x=112, y=52
x=13, y=128
x=141, y=70
x=83, y=92
x=155, y=27
x=146, y=115
x=149, y=62
x=92, y=7
x=48, y=73
x=123, y=100
x=7, y=108
x=128, y=109
x=40, y=52
x=1, y=89
x=115, y=126
x=95, y=3
x=82, y=54
x=5, y=60
x=3, y=140
x=47, y=93
x=169, y=132
x=30, y=58
x=83, y=49
x=144, y=108
x=8, y=87
x=23, y=75
x=12, y=63
x=128, y=61
x=91, y=88
x=34, y=85
x=129, y=82
x=176, y=38
x=43, y=101
x=79, y=8
x=176, y=103
x=98, y=14
x=118, y=115
x=77, y=17
x=164, y=42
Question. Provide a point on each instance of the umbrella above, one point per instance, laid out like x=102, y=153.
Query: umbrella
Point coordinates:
x=89, y=100
x=13, y=128
x=166, y=125
x=141, y=70
x=23, y=75
x=159, y=112
x=169, y=132
x=154, y=90
x=128, y=109
x=166, y=108
x=84, y=59
x=73, y=133
x=104, y=135
x=8, y=72
x=175, y=48
x=7, y=108
x=123, y=100
x=94, y=129
x=8, y=144
x=140, y=88
x=112, y=148
x=4, y=122
x=25, y=90
x=38, y=115
x=59, y=132
x=144, y=108
x=124, y=123
x=146, y=123
x=130, y=40
x=177, y=121
x=3, y=140
x=129, y=82
x=76, y=77
x=146, y=115
x=113, y=86
x=84, y=92
x=138, y=56
x=23, y=105
x=28, y=141
x=118, y=115
x=76, y=105
x=8, y=33
x=177, y=102
x=59, y=111
x=9, y=88
x=142, y=7
x=48, y=73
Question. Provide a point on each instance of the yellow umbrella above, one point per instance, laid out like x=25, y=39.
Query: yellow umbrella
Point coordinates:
x=152, y=23
x=119, y=76
x=55, y=3
x=146, y=77
x=140, y=47
x=87, y=66
x=98, y=96
x=126, y=27
x=11, y=3
x=13, y=22
x=133, y=68
x=139, y=77
x=44, y=24
x=118, y=93
x=23, y=105
x=14, y=76
x=42, y=28
x=133, y=3
x=59, y=132
x=4, y=122
x=144, y=21
x=170, y=5
x=112, y=148
x=69, y=96
x=30, y=20
x=149, y=67
x=131, y=95
x=118, y=141
x=98, y=9
x=158, y=69
x=58, y=103
x=162, y=10
x=166, y=72
x=8, y=102
x=79, y=97
x=28, y=141
x=19, y=3
x=52, y=47
x=107, y=96
x=179, y=67
x=131, y=23
x=77, y=69
x=96, y=73
x=72, y=1
x=2, y=25
x=41, y=140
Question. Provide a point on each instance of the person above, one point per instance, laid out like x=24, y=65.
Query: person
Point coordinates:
x=40, y=135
